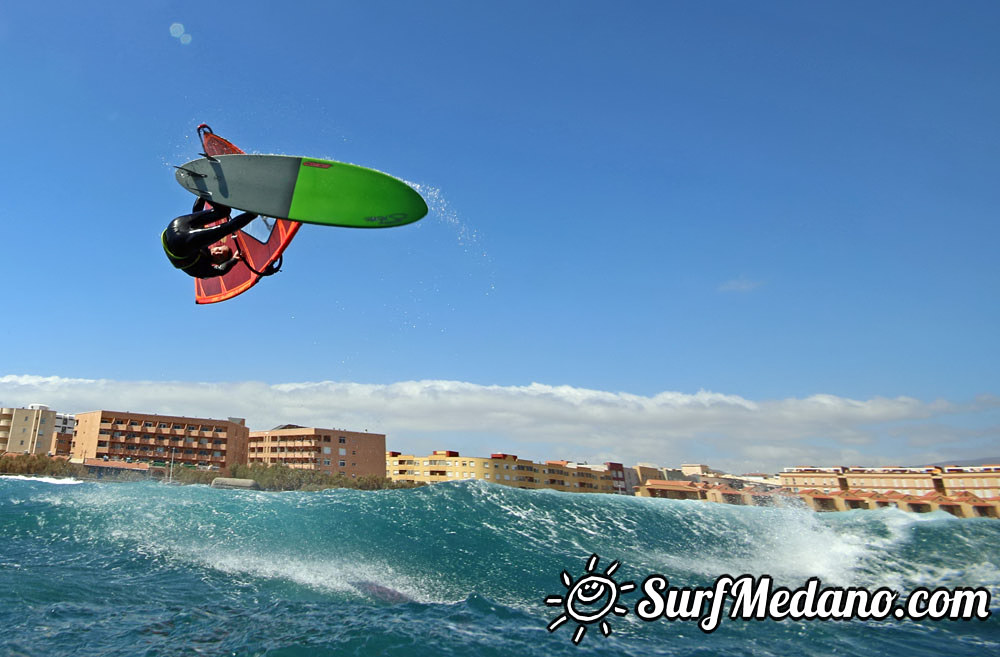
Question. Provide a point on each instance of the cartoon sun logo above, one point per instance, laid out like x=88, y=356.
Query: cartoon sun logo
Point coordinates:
x=590, y=599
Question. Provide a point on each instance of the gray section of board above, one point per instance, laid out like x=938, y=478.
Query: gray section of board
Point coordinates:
x=262, y=184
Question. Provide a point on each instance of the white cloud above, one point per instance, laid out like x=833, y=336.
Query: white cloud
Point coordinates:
x=548, y=422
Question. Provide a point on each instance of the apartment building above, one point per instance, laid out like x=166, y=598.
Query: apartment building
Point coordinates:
x=159, y=439
x=962, y=505
x=695, y=469
x=672, y=490
x=63, y=433
x=617, y=473
x=334, y=451
x=981, y=481
x=637, y=475
x=27, y=430
x=499, y=468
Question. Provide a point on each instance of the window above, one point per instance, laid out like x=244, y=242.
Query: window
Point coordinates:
x=326, y=450
x=342, y=440
x=343, y=452
x=342, y=464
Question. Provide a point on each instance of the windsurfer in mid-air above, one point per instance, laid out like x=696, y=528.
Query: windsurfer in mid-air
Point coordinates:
x=188, y=243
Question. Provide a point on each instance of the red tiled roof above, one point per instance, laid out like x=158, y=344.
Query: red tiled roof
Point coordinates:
x=663, y=483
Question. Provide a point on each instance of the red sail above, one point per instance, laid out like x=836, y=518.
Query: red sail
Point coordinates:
x=261, y=243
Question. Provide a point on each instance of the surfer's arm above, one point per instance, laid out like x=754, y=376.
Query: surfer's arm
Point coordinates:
x=224, y=268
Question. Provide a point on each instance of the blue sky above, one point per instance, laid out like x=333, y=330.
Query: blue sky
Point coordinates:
x=748, y=234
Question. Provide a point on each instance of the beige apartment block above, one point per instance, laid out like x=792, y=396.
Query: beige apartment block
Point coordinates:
x=334, y=451
x=962, y=505
x=505, y=469
x=27, y=430
x=158, y=439
x=647, y=471
x=982, y=481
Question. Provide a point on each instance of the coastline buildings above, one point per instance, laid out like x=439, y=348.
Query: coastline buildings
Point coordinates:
x=333, y=451
x=506, y=469
x=982, y=481
x=108, y=441
x=962, y=504
x=965, y=492
x=126, y=436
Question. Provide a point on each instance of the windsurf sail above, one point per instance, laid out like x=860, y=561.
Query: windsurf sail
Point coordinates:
x=261, y=243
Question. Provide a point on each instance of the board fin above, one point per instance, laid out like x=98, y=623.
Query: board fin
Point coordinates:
x=193, y=173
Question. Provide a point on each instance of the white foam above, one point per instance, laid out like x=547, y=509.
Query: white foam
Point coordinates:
x=46, y=480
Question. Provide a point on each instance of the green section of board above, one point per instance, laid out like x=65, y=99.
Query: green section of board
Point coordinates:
x=372, y=199
x=304, y=189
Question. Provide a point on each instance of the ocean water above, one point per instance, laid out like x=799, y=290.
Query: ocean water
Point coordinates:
x=147, y=569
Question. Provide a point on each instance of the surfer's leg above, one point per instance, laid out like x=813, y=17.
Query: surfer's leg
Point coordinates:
x=240, y=221
x=204, y=217
x=208, y=236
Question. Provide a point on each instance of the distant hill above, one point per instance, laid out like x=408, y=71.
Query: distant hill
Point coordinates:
x=989, y=460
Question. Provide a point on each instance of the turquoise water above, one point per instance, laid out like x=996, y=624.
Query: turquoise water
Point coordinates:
x=453, y=569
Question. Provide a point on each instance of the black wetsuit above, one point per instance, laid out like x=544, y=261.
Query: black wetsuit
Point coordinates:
x=186, y=241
